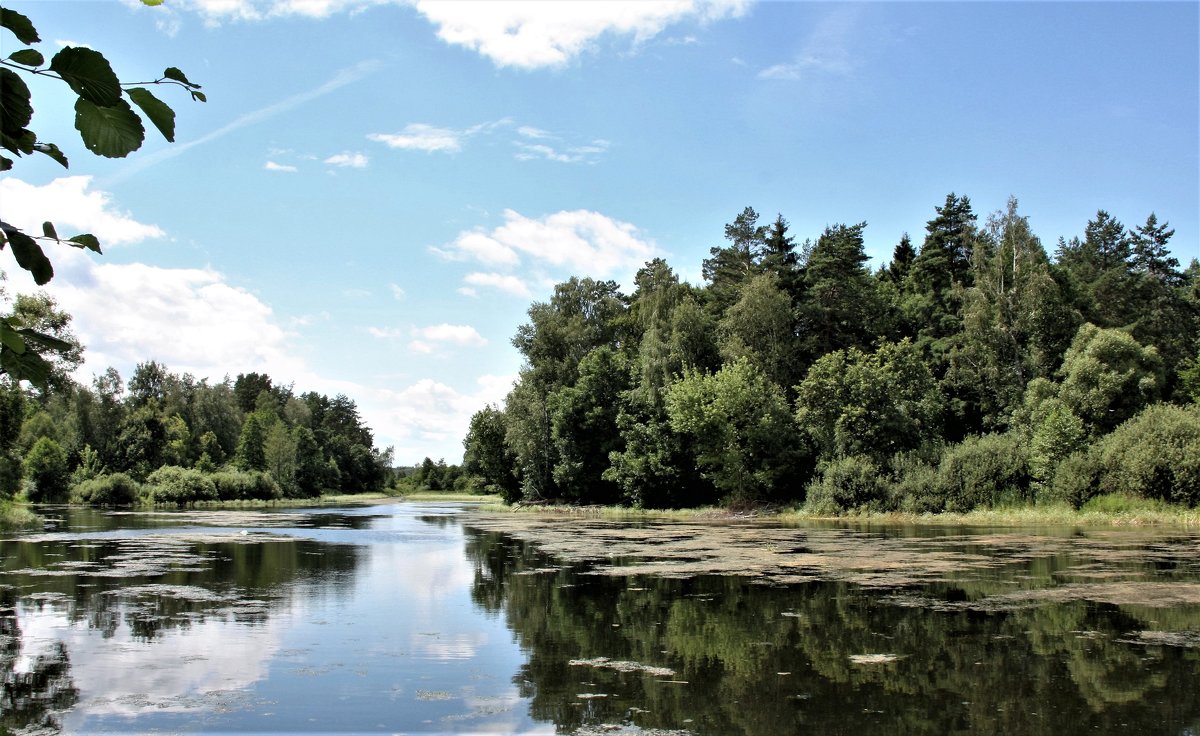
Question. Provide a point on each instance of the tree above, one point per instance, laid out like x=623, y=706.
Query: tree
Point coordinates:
x=1098, y=272
x=583, y=425
x=1015, y=324
x=746, y=442
x=840, y=305
x=487, y=456
x=311, y=468
x=903, y=256
x=876, y=404
x=279, y=457
x=47, y=471
x=728, y=267
x=761, y=327
x=1107, y=377
x=251, y=452
x=942, y=266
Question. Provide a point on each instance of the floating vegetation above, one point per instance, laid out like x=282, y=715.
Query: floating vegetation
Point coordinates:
x=1187, y=639
x=622, y=666
x=873, y=658
x=433, y=695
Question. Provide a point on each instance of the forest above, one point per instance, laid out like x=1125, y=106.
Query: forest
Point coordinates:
x=976, y=370
x=164, y=438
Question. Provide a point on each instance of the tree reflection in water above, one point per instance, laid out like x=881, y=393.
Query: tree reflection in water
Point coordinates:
x=756, y=659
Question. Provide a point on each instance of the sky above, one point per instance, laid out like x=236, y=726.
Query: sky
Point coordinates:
x=377, y=190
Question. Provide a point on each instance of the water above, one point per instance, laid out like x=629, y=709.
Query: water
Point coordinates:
x=430, y=618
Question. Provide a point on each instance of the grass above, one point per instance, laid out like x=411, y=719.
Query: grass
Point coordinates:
x=1109, y=510
x=15, y=515
x=488, y=499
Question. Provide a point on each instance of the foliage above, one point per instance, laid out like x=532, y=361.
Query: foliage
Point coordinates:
x=106, y=122
x=984, y=470
x=847, y=483
x=239, y=486
x=488, y=457
x=1107, y=376
x=1156, y=454
x=115, y=489
x=47, y=471
x=876, y=404
x=745, y=439
x=171, y=484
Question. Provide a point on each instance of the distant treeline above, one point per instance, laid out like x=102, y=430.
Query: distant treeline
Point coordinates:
x=167, y=438
x=974, y=370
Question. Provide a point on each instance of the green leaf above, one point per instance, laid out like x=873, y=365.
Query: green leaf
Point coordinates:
x=29, y=254
x=86, y=240
x=15, y=108
x=27, y=366
x=10, y=338
x=89, y=74
x=22, y=143
x=199, y=96
x=28, y=57
x=159, y=112
x=114, y=131
x=21, y=26
x=53, y=152
x=152, y=3
x=5, y=163
x=48, y=230
x=50, y=342
x=174, y=74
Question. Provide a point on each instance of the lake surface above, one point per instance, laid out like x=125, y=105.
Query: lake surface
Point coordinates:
x=435, y=618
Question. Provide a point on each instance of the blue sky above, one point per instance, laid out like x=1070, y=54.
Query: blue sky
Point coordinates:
x=376, y=190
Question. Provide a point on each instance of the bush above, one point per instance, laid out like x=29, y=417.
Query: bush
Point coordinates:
x=116, y=489
x=1075, y=480
x=1156, y=454
x=239, y=486
x=47, y=471
x=984, y=471
x=173, y=484
x=915, y=486
x=847, y=484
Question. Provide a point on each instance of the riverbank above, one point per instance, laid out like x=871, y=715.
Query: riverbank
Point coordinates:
x=1108, y=510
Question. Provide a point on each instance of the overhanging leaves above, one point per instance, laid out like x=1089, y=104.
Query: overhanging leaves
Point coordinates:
x=15, y=108
x=53, y=152
x=21, y=26
x=114, y=131
x=27, y=366
x=174, y=74
x=89, y=74
x=28, y=57
x=28, y=253
x=158, y=111
x=85, y=240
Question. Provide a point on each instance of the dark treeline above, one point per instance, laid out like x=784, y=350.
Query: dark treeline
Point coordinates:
x=170, y=438
x=971, y=371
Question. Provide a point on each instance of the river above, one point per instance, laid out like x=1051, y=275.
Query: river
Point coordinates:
x=437, y=618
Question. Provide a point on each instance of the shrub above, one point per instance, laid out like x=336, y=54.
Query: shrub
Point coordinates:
x=846, y=484
x=240, y=486
x=173, y=484
x=116, y=489
x=915, y=486
x=46, y=469
x=1075, y=480
x=984, y=471
x=1156, y=454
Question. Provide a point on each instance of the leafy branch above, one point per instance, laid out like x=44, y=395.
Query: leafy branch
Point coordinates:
x=106, y=121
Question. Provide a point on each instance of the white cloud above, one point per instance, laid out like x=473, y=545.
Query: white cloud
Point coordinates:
x=468, y=291
x=501, y=282
x=73, y=206
x=285, y=168
x=63, y=43
x=463, y=335
x=531, y=35
x=569, y=155
x=397, y=292
x=531, y=132
x=422, y=137
x=348, y=160
x=428, y=412
x=580, y=241
x=386, y=333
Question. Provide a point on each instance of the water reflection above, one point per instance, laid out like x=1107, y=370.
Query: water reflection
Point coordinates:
x=832, y=656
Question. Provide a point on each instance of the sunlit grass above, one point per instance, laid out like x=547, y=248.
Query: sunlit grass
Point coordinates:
x=14, y=515
x=1111, y=510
